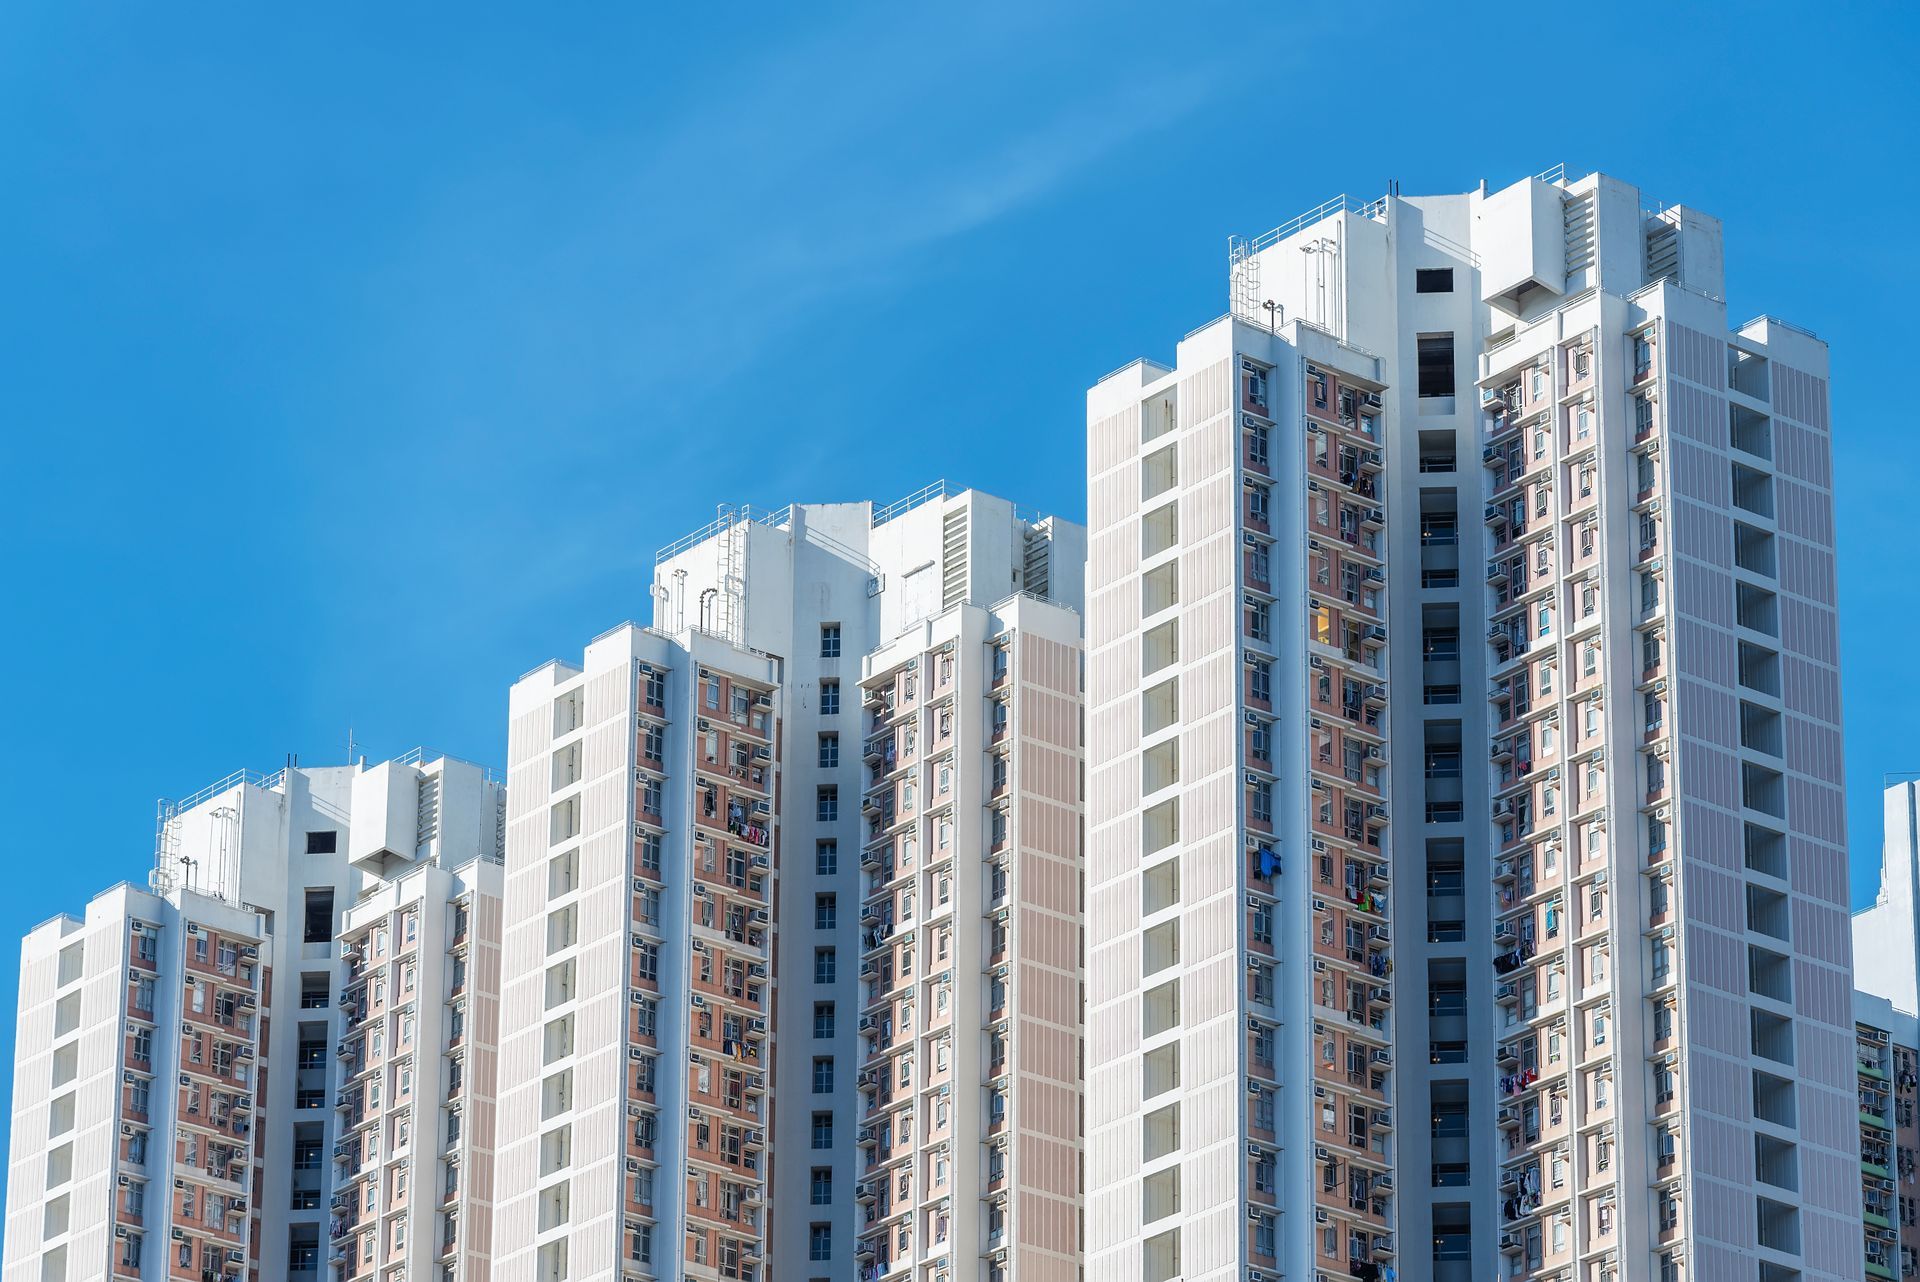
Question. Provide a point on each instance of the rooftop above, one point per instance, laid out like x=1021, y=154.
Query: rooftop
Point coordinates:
x=735, y=514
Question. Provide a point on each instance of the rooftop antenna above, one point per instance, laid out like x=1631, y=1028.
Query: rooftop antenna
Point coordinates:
x=351, y=745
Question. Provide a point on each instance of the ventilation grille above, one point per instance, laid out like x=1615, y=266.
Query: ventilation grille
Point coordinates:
x=1578, y=214
x=428, y=825
x=1663, y=250
x=953, y=547
x=1034, y=573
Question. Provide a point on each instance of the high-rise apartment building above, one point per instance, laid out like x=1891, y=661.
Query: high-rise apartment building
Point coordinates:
x=1427, y=861
x=1240, y=1063
x=1887, y=1046
x=1887, y=1028
x=766, y=847
x=637, y=996
x=415, y=1070
x=1599, y=531
x=176, y=1087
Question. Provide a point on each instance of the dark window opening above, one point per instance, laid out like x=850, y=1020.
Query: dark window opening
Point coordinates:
x=1436, y=364
x=1433, y=280
x=323, y=843
x=319, y=921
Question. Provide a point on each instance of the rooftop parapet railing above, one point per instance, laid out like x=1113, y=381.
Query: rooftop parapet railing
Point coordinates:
x=1240, y=247
x=422, y=755
x=731, y=517
x=940, y=489
x=168, y=809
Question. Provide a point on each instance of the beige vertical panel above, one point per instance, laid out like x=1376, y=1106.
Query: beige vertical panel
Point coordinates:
x=1118, y=608
x=607, y=694
x=1112, y=498
x=1209, y=507
x=1209, y=989
x=1207, y=807
x=1206, y=393
x=605, y=747
x=1113, y=440
x=603, y=803
x=1210, y=867
x=1210, y=1244
x=1211, y=682
x=1117, y=728
x=1208, y=626
x=1113, y=672
x=1117, y=786
x=1207, y=450
x=1207, y=749
x=1112, y=555
x=1206, y=568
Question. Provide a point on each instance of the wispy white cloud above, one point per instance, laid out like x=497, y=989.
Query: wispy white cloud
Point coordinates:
x=663, y=258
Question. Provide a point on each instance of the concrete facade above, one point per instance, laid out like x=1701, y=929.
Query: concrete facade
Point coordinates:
x=1630, y=1058
x=181, y=1082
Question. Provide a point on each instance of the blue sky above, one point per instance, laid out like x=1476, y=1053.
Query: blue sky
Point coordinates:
x=352, y=360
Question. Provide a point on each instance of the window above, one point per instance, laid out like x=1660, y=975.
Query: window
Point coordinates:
x=1259, y=498
x=822, y=1189
x=318, y=927
x=1433, y=280
x=829, y=698
x=825, y=964
x=826, y=911
x=822, y=1021
x=829, y=640
x=823, y=1075
x=322, y=843
x=1260, y=682
x=826, y=858
x=819, y=1241
x=826, y=805
x=1258, y=619
x=1436, y=364
x=313, y=991
x=829, y=751
x=822, y=1129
